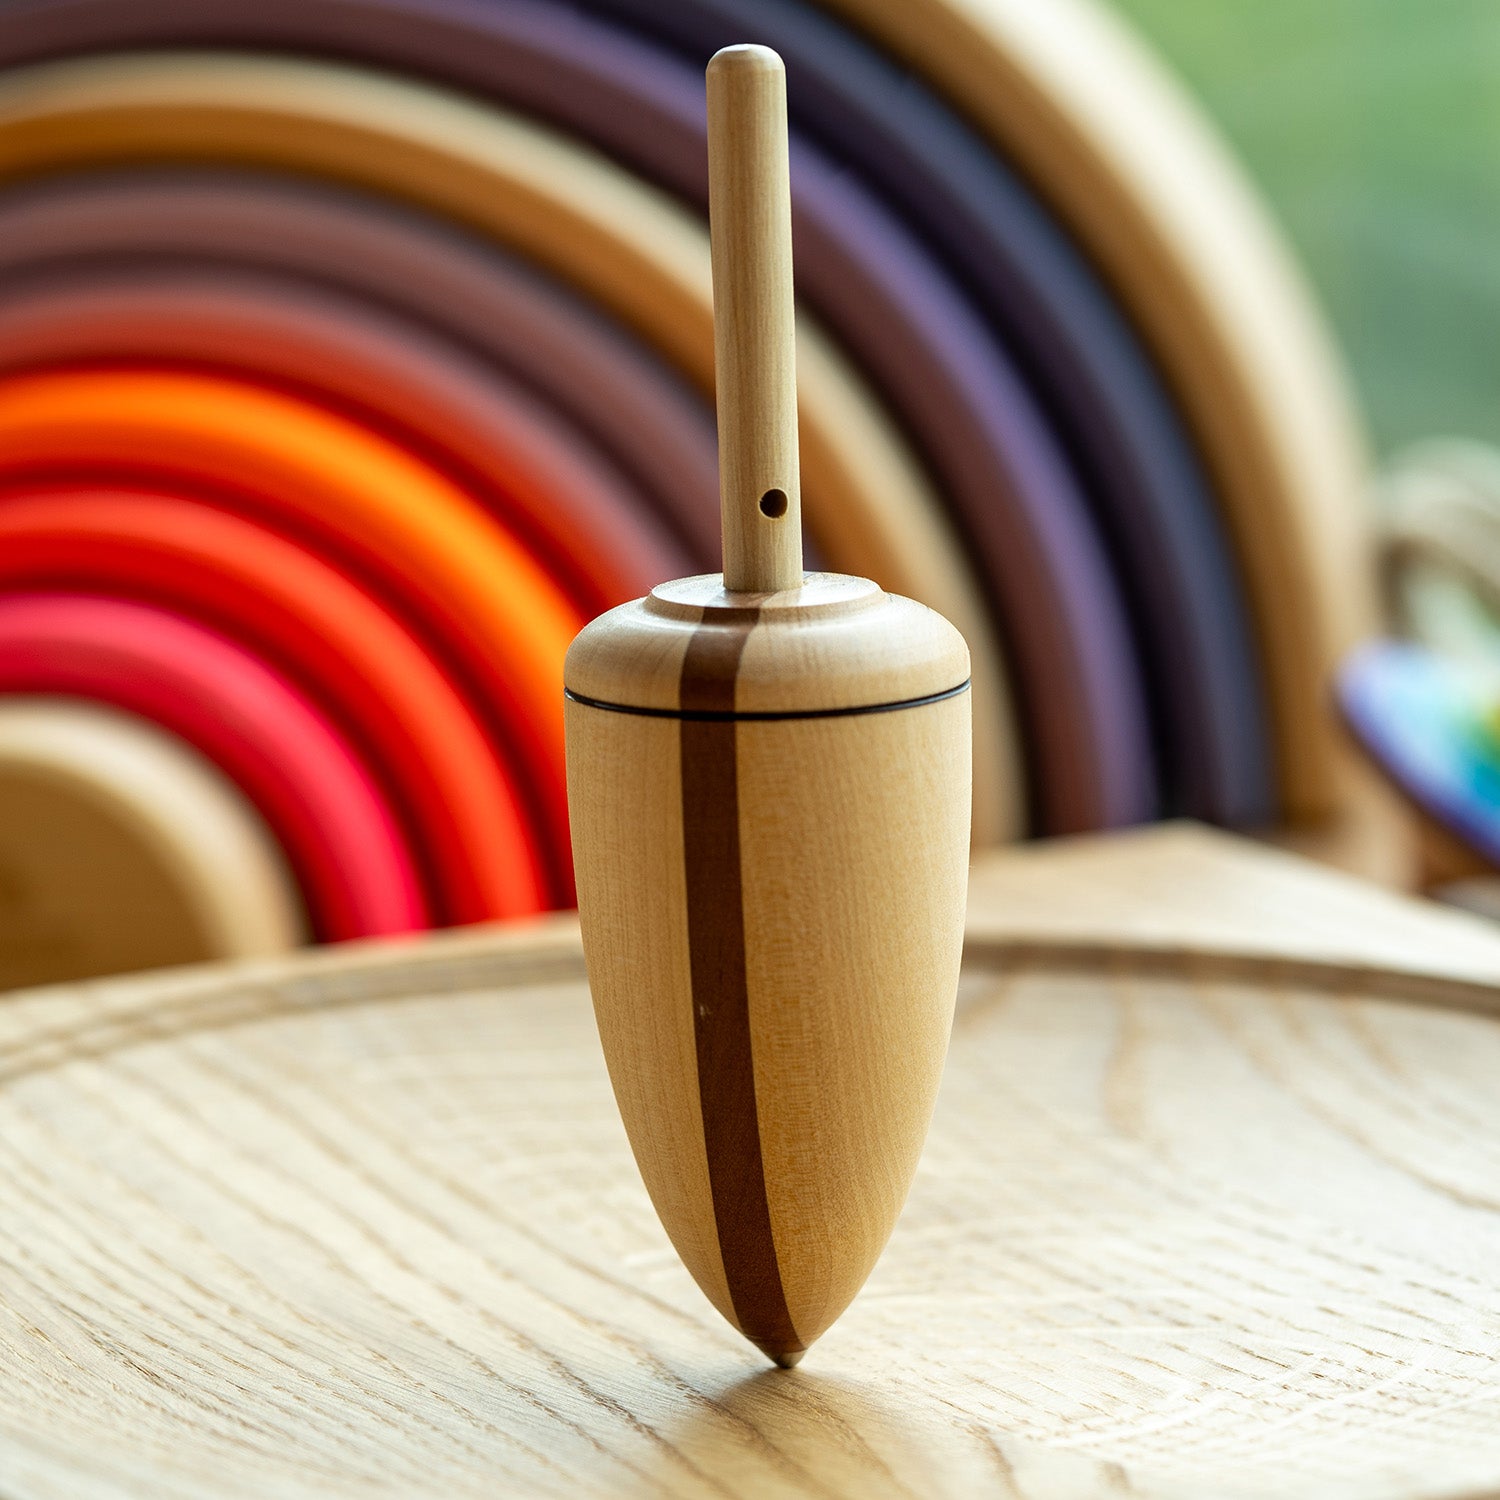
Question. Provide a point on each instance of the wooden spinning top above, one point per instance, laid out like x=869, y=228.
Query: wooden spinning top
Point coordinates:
x=768, y=780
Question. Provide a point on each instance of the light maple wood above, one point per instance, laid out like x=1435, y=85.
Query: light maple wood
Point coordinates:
x=755, y=372
x=853, y=938
x=622, y=243
x=853, y=865
x=769, y=784
x=1065, y=91
x=1210, y=1220
x=120, y=848
x=835, y=642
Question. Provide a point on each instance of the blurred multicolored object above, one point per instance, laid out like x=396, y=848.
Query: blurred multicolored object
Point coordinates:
x=1426, y=706
x=1433, y=722
x=354, y=352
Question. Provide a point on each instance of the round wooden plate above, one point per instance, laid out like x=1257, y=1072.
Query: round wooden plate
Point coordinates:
x=367, y=1224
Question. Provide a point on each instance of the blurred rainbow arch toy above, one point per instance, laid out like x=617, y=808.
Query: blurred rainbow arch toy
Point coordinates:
x=1097, y=425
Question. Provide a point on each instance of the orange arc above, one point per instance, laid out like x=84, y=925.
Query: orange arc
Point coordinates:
x=418, y=528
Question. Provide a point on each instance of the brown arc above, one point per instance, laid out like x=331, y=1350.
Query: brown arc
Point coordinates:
x=720, y=988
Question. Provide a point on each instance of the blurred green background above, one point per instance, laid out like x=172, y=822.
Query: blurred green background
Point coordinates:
x=1373, y=127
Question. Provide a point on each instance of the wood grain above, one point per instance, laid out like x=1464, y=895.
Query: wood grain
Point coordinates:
x=365, y=1223
x=622, y=243
x=858, y=936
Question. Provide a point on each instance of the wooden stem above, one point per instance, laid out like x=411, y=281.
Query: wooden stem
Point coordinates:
x=750, y=219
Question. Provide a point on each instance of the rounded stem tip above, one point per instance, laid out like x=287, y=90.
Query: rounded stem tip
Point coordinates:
x=748, y=57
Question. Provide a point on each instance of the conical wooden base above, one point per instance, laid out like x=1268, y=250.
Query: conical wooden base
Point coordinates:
x=775, y=1027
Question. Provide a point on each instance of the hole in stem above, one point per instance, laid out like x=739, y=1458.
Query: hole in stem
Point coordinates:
x=773, y=504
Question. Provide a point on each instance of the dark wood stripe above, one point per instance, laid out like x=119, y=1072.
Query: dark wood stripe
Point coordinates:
x=721, y=999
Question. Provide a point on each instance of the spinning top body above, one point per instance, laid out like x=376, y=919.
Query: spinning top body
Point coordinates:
x=769, y=783
x=772, y=856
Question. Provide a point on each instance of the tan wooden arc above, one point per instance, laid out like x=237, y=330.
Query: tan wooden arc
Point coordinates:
x=621, y=242
x=122, y=849
x=1201, y=1214
x=1077, y=103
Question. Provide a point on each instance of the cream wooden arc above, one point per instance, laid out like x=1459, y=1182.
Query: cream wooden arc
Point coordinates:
x=1067, y=94
x=1197, y=1218
x=620, y=241
x=122, y=849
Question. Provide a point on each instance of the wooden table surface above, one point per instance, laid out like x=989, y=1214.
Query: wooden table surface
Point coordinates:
x=1211, y=1208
